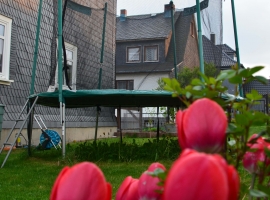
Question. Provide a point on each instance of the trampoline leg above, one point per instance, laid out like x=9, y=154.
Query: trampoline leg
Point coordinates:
x=63, y=123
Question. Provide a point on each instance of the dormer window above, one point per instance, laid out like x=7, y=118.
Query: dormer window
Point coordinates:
x=151, y=53
x=133, y=54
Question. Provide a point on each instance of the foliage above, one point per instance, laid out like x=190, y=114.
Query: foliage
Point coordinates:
x=184, y=77
x=166, y=148
x=235, y=106
x=32, y=178
x=187, y=74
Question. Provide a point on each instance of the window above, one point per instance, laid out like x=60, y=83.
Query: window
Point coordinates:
x=5, y=39
x=71, y=52
x=151, y=53
x=125, y=84
x=133, y=54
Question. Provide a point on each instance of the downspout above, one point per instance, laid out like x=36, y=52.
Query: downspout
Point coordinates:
x=198, y=8
x=236, y=45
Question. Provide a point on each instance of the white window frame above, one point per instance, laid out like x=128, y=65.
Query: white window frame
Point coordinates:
x=127, y=54
x=4, y=75
x=74, y=49
x=150, y=46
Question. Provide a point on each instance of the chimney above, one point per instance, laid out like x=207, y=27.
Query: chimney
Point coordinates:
x=167, y=9
x=123, y=15
x=213, y=38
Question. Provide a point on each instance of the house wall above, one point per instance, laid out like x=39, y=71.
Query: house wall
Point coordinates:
x=82, y=31
x=121, y=50
x=143, y=81
x=72, y=134
x=191, y=56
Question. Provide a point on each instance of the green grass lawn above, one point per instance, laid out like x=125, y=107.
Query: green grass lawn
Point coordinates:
x=25, y=177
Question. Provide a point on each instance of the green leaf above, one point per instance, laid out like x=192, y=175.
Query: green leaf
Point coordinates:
x=261, y=79
x=264, y=189
x=257, y=193
x=196, y=81
x=243, y=72
x=226, y=74
x=253, y=70
x=233, y=128
x=236, y=79
x=241, y=119
x=254, y=95
x=204, y=77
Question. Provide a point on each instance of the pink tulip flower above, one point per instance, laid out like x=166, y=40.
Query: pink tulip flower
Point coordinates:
x=257, y=142
x=83, y=181
x=201, y=176
x=202, y=126
x=128, y=189
x=251, y=159
x=148, y=185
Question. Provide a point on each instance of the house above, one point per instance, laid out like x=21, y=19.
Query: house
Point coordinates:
x=144, y=48
x=83, y=39
x=145, y=53
x=263, y=104
x=221, y=55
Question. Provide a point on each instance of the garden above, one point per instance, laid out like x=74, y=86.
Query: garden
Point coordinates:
x=222, y=151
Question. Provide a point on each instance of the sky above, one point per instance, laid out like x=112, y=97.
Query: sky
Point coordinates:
x=253, y=26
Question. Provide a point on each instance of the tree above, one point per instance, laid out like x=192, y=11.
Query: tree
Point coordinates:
x=184, y=77
x=186, y=74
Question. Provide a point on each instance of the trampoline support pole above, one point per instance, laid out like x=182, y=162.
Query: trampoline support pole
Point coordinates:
x=30, y=127
x=63, y=123
x=156, y=158
x=119, y=122
x=96, y=129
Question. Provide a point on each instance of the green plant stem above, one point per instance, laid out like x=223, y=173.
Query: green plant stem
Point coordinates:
x=252, y=184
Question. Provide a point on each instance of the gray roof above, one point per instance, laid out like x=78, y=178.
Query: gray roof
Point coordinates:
x=144, y=27
x=214, y=54
x=227, y=49
x=256, y=85
x=145, y=68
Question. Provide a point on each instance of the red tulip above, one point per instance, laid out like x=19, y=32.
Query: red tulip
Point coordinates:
x=128, y=189
x=257, y=142
x=83, y=181
x=202, y=126
x=148, y=185
x=201, y=176
x=251, y=159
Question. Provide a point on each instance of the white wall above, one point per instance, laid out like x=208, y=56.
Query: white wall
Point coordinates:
x=143, y=81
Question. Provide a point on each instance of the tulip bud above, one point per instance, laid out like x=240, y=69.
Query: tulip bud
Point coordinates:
x=251, y=159
x=201, y=176
x=202, y=126
x=83, y=181
x=148, y=187
x=128, y=189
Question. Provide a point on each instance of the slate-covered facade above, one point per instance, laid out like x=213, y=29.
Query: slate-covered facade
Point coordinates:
x=83, y=39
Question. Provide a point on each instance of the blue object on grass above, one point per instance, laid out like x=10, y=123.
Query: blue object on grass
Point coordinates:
x=55, y=138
